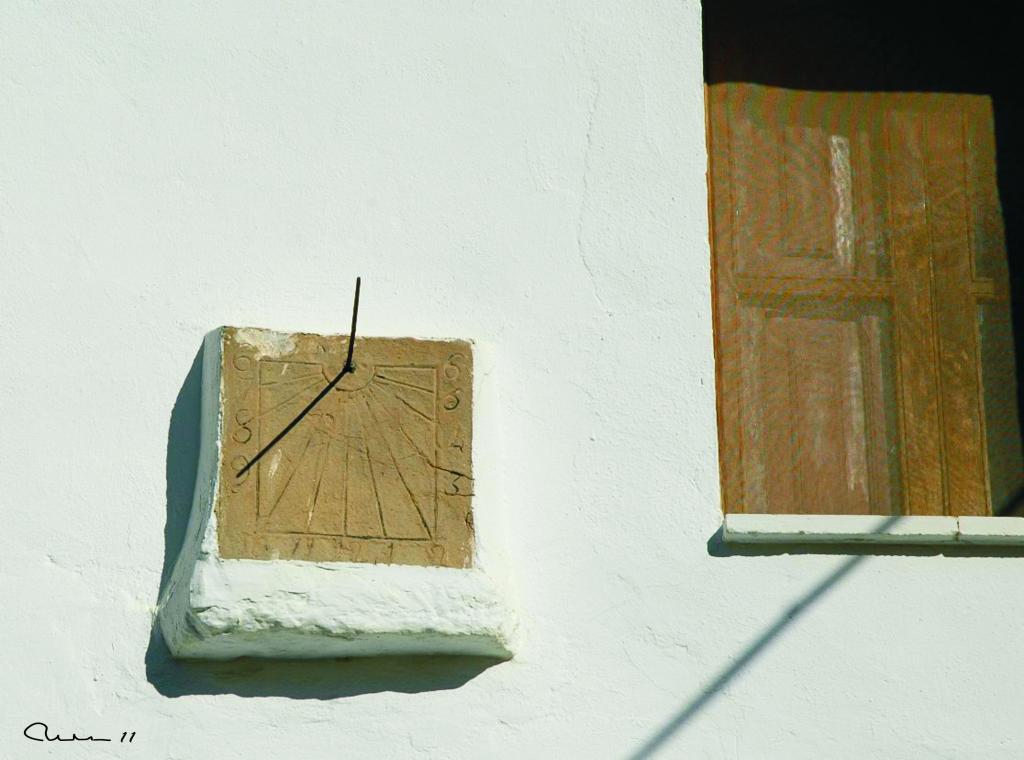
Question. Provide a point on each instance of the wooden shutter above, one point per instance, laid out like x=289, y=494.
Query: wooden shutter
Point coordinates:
x=847, y=234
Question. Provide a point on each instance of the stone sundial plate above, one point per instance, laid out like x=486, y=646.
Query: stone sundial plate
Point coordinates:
x=379, y=472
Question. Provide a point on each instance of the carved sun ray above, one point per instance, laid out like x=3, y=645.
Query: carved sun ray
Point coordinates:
x=305, y=389
x=291, y=475
x=394, y=460
x=411, y=407
x=381, y=376
x=319, y=481
x=373, y=478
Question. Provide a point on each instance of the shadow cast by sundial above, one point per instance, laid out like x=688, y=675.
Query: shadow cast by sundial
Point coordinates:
x=308, y=679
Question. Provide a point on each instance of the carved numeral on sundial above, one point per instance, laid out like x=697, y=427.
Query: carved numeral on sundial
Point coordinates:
x=243, y=433
x=243, y=363
x=236, y=465
x=451, y=401
x=451, y=369
x=458, y=439
x=453, y=488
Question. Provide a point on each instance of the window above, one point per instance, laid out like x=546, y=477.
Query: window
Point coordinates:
x=860, y=229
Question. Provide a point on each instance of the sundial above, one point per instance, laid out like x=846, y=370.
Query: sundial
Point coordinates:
x=380, y=470
x=335, y=510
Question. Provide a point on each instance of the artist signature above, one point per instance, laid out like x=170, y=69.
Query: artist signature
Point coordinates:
x=40, y=732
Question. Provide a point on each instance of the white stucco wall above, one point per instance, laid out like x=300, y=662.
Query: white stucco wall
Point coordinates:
x=527, y=174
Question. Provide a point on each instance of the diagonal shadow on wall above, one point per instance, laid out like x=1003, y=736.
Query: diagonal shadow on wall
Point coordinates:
x=739, y=663
x=253, y=677
x=854, y=555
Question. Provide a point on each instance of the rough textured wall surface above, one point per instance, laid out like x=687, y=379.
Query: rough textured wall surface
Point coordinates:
x=531, y=175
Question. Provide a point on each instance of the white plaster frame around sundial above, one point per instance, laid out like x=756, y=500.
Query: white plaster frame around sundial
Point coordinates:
x=216, y=607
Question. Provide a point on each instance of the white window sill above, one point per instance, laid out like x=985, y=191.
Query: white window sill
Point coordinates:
x=872, y=529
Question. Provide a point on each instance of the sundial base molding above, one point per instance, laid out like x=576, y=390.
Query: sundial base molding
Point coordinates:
x=221, y=605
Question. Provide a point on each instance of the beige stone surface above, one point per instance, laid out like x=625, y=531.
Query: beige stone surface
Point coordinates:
x=380, y=471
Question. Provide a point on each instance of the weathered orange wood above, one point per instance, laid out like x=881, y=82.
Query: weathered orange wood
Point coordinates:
x=956, y=320
x=916, y=342
x=799, y=294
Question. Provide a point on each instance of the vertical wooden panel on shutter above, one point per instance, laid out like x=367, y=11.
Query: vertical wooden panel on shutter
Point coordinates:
x=728, y=344
x=947, y=176
x=805, y=380
x=915, y=338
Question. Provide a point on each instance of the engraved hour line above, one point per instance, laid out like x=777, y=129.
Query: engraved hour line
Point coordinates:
x=437, y=446
x=379, y=403
x=427, y=459
x=284, y=488
x=401, y=476
x=314, y=534
x=392, y=393
x=421, y=414
x=319, y=481
x=291, y=398
x=348, y=467
x=387, y=379
x=370, y=457
x=373, y=480
x=372, y=396
x=311, y=376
